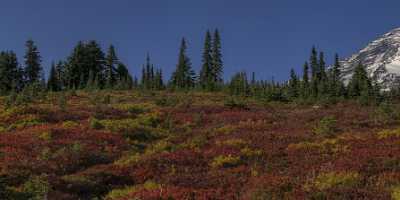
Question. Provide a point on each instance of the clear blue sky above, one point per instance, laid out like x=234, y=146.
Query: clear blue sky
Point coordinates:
x=266, y=36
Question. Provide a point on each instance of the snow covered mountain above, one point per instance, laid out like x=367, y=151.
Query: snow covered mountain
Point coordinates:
x=381, y=58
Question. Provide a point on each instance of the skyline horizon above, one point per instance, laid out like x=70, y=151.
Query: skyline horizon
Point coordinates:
x=267, y=37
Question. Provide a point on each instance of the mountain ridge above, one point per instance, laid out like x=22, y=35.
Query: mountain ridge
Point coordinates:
x=381, y=57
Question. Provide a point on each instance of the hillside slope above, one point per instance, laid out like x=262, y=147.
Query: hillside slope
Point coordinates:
x=126, y=145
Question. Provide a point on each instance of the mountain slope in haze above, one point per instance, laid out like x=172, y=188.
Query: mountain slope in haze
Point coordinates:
x=381, y=58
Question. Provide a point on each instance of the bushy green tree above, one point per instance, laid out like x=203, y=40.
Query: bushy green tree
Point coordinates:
x=217, y=64
x=183, y=77
x=305, y=83
x=111, y=62
x=293, y=85
x=314, y=72
x=239, y=84
x=33, y=67
x=10, y=75
x=53, y=83
x=206, y=80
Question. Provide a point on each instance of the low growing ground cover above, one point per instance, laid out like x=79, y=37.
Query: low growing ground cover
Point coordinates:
x=130, y=145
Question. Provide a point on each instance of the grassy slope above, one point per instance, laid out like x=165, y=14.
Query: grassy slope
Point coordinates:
x=124, y=145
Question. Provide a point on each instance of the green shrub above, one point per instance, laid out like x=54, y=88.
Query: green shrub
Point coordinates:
x=62, y=102
x=95, y=124
x=106, y=99
x=196, y=142
x=388, y=133
x=226, y=161
x=236, y=103
x=70, y=124
x=133, y=108
x=120, y=193
x=166, y=101
x=330, y=180
x=10, y=99
x=275, y=192
x=325, y=127
x=77, y=147
x=396, y=192
x=134, y=129
x=37, y=187
x=232, y=142
x=385, y=113
x=28, y=121
x=46, y=135
x=248, y=153
x=328, y=146
x=224, y=130
x=4, y=192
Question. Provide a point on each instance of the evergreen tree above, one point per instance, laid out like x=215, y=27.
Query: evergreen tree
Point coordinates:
x=60, y=72
x=336, y=86
x=217, y=64
x=124, y=79
x=111, y=61
x=360, y=84
x=314, y=72
x=239, y=84
x=183, y=76
x=151, y=78
x=321, y=75
x=90, y=85
x=305, y=81
x=94, y=61
x=33, y=61
x=10, y=79
x=158, y=80
x=293, y=85
x=147, y=74
x=206, y=80
x=53, y=83
x=144, y=78
x=75, y=66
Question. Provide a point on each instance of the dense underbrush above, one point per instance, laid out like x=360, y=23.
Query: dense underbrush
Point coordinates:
x=126, y=145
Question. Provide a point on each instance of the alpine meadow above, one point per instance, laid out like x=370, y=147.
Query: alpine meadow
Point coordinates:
x=95, y=125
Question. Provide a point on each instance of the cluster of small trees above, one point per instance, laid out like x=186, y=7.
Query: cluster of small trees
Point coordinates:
x=318, y=82
x=210, y=76
x=152, y=78
x=13, y=76
x=88, y=67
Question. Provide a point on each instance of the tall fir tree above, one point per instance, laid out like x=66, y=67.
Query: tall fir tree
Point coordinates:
x=205, y=79
x=75, y=65
x=111, y=61
x=90, y=85
x=60, y=71
x=33, y=67
x=217, y=64
x=239, y=84
x=183, y=77
x=144, y=78
x=360, y=83
x=314, y=71
x=336, y=85
x=124, y=79
x=322, y=78
x=305, y=81
x=53, y=83
x=10, y=77
x=94, y=60
x=293, y=85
